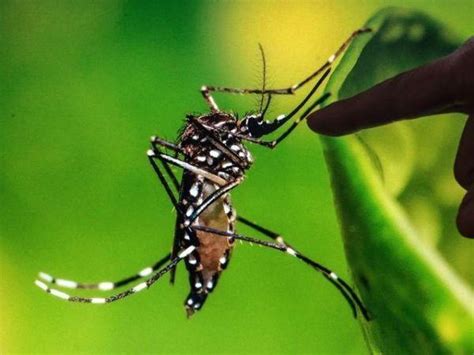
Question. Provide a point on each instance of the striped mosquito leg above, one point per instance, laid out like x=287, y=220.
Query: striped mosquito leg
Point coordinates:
x=104, y=285
x=161, y=177
x=206, y=90
x=279, y=239
x=295, y=123
x=156, y=142
x=184, y=165
x=348, y=293
x=141, y=286
x=331, y=59
x=267, y=232
x=206, y=94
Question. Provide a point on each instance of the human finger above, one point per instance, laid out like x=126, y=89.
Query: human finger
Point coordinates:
x=429, y=89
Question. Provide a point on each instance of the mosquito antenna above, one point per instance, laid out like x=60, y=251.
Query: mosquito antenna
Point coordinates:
x=264, y=67
x=267, y=105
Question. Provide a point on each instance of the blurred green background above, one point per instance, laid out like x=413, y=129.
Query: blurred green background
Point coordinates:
x=83, y=86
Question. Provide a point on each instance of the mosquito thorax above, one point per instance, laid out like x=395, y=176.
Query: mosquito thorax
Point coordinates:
x=198, y=140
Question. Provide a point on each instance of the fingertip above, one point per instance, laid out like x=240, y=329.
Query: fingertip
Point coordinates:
x=324, y=122
x=465, y=218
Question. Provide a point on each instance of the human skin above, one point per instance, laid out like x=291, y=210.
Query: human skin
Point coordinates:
x=445, y=85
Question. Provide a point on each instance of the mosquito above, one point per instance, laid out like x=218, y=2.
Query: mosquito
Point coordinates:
x=210, y=151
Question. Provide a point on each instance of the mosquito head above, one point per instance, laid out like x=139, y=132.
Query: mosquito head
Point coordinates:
x=254, y=126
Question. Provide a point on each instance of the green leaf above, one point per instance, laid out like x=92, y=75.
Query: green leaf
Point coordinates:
x=418, y=304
